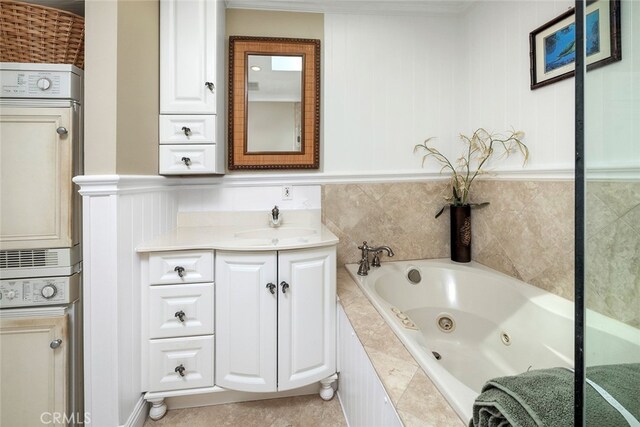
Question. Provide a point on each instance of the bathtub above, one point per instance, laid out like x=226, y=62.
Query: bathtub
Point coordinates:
x=465, y=324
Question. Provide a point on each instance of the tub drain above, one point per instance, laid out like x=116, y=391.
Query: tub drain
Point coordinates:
x=505, y=337
x=445, y=323
x=436, y=355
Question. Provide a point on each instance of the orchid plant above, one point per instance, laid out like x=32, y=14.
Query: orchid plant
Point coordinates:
x=481, y=146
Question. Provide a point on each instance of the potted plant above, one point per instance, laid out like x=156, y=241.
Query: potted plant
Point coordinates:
x=480, y=147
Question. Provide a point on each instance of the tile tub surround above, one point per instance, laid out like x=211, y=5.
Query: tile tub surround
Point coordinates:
x=412, y=393
x=613, y=249
x=526, y=231
x=400, y=215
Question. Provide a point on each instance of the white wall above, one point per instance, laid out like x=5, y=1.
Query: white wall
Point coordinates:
x=612, y=102
x=389, y=83
x=497, y=50
x=222, y=198
x=411, y=77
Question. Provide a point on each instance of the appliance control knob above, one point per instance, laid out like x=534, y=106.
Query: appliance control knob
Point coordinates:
x=43, y=83
x=49, y=291
x=11, y=294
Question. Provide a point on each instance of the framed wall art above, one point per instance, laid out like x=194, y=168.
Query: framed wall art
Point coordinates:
x=552, y=47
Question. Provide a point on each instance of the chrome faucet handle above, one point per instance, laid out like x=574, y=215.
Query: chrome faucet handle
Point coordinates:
x=364, y=268
x=376, y=260
x=365, y=249
x=275, y=217
x=364, y=261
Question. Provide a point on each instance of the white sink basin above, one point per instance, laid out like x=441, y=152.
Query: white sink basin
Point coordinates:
x=276, y=233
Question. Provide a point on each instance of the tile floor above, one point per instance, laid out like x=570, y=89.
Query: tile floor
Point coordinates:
x=300, y=411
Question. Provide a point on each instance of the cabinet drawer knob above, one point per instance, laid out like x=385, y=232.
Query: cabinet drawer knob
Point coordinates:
x=179, y=270
x=179, y=370
x=271, y=288
x=210, y=86
x=285, y=286
x=180, y=315
x=186, y=130
x=186, y=161
x=55, y=344
x=62, y=130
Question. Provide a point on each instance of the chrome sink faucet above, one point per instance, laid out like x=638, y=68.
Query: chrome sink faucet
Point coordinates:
x=275, y=217
x=365, y=266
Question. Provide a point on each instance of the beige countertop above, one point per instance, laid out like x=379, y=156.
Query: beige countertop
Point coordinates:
x=243, y=231
x=417, y=401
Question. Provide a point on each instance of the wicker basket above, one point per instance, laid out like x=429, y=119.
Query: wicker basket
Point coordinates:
x=38, y=34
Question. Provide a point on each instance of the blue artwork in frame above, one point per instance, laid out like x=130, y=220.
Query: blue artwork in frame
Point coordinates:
x=560, y=48
x=553, y=46
x=592, y=32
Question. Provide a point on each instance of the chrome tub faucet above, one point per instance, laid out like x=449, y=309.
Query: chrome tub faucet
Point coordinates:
x=365, y=266
x=376, y=254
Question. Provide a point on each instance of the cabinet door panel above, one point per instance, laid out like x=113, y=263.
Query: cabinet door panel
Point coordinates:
x=188, y=159
x=164, y=267
x=36, y=191
x=306, y=317
x=187, y=56
x=193, y=355
x=192, y=129
x=195, y=302
x=245, y=321
x=34, y=376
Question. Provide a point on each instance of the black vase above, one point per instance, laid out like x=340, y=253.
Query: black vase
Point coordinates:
x=460, y=233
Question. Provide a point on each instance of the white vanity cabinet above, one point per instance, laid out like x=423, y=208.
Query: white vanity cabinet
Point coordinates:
x=177, y=321
x=275, y=318
x=191, y=87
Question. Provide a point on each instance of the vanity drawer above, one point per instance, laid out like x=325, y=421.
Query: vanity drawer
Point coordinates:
x=168, y=356
x=180, y=267
x=183, y=129
x=187, y=159
x=167, y=303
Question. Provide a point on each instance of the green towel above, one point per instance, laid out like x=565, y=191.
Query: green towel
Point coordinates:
x=622, y=382
x=544, y=398
x=535, y=398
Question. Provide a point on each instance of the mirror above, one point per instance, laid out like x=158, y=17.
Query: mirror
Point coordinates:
x=274, y=103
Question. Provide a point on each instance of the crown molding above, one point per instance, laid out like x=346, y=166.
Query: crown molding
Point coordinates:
x=397, y=7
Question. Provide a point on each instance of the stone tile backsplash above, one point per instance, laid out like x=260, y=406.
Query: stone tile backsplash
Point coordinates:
x=612, y=266
x=526, y=232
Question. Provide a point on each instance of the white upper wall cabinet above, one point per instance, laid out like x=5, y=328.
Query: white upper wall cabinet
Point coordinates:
x=188, y=82
x=191, y=78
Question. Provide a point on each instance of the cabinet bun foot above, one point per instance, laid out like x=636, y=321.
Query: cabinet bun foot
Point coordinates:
x=326, y=387
x=158, y=409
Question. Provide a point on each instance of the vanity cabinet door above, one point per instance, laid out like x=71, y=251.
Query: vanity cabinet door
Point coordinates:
x=188, y=57
x=306, y=316
x=246, y=321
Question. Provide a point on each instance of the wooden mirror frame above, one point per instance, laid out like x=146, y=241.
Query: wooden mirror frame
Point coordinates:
x=240, y=47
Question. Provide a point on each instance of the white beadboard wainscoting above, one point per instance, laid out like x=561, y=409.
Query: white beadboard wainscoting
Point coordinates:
x=363, y=398
x=119, y=213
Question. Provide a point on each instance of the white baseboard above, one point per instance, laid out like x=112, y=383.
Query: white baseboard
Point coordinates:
x=344, y=413
x=139, y=414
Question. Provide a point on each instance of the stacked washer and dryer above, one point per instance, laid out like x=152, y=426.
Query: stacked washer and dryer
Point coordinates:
x=40, y=253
